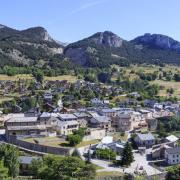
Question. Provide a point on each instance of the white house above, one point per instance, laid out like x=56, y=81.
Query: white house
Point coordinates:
x=146, y=140
x=172, y=155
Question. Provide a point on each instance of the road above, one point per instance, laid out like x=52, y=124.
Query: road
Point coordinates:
x=139, y=160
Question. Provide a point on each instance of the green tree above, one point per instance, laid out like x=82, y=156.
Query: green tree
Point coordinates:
x=173, y=173
x=39, y=75
x=74, y=139
x=9, y=154
x=127, y=155
x=3, y=171
x=105, y=154
x=65, y=168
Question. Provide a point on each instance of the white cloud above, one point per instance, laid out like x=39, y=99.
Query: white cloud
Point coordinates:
x=85, y=6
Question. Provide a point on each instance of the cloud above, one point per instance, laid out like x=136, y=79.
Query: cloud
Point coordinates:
x=85, y=6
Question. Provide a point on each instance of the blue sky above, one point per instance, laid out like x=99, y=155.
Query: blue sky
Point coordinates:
x=71, y=20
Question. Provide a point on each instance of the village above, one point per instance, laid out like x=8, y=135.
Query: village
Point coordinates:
x=93, y=128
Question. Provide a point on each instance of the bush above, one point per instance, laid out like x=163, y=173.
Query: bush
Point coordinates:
x=105, y=154
x=74, y=139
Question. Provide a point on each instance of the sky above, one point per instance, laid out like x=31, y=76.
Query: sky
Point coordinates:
x=72, y=20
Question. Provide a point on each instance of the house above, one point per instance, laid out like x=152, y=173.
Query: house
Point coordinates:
x=25, y=162
x=82, y=118
x=26, y=126
x=108, y=143
x=48, y=96
x=172, y=155
x=44, y=118
x=146, y=140
x=94, y=133
x=171, y=138
x=21, y=131
x=67, y=117
x=66, y=127
x=141, y=126
x=122, y=122
x=152, y=124
x=158, y=150
x=101, y=122
x=96, y=101
x=107, y=112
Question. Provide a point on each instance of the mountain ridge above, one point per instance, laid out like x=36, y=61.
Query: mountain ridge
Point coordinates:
x=29, y=46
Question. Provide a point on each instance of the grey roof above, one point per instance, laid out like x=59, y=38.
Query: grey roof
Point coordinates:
x=81, y=114
x=175, y=150
x=19, y=128
x=27, y=159
x=102, y=119
x=67, y=116
x=23, y=119
x=108, y=110
x=66, y=123
x=145, y=137
x=45, y=114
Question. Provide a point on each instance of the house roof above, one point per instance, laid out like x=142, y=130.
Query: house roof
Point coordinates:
x=102, y=119
x=19, y=128
x=23, y=119
x=27, y=159
x=145, y=137
x=175, y=150
x=45, y=115
x=108, y=110
x=67, y=116
x=66, y=123
x=81, y=114
x=172, y=138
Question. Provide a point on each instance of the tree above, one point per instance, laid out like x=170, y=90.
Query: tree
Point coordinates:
x=173, y=173
x=105, y=154
x=56, y=167
x=104, y=77
x=177, y=77
x=39, y=75
x=3, y=171
x=74, y=139
x=127, y=155
x=9, y=154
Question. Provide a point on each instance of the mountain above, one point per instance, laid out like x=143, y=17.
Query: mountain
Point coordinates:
x=105, y=48
x=35, y=47
x=158, y=41
x=26, y=47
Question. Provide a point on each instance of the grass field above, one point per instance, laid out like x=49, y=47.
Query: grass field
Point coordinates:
x=15, y=78
x=108, y=174
x=4, y=77
x=167, y=85
x=49, y=141
x=86, y=143
x=69, y=78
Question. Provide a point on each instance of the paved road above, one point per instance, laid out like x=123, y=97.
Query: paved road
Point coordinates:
x=139, y=160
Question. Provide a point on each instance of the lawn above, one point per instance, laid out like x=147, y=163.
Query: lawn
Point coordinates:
x=119, y=136
x=58, y=142
x=49, y=141
x=167, y=85
x=86, y=143
x=3, y=99
x=69, y=78
x=4, y=77
x=108, y=174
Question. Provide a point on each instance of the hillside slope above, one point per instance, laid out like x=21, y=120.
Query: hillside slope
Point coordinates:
x=26, y=47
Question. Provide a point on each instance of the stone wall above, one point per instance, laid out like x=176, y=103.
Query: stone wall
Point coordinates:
x=64, y=151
